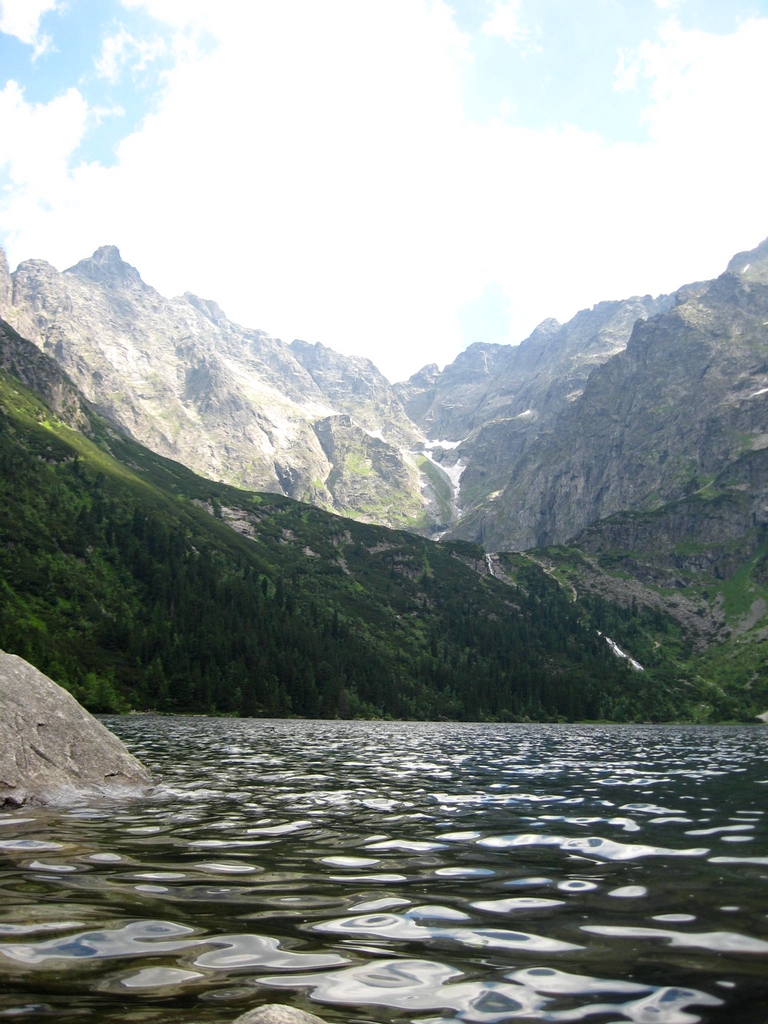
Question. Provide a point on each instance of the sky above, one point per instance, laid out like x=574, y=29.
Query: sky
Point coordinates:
x=394, y=178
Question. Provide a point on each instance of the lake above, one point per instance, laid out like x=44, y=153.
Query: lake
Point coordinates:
x=397, y=872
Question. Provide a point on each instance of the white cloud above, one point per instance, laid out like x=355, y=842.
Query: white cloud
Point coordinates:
x=37, y=141
x=504, y=21
x=114, y=54
x=315, y=174
x=122, y=50
x=627, y=71
x=21, y=18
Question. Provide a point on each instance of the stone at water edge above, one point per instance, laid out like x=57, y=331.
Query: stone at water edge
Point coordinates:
x=277, y=1013
x=51, y=749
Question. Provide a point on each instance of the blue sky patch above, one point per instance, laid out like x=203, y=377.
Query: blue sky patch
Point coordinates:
x=561, y=67
x=78, y=32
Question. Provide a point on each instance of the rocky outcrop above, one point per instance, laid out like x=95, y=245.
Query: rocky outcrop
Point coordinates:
x=493, y=383
x=685, y=400
x=498, y=401
x=227, y=402
x=231, y=403
x=51, y=749
x=22, y=360
x=630, y=405
x=277, y=1013
x=6, y=285
x=370, y=477
x=354, y=386
x=418, y=392
x=713, y=532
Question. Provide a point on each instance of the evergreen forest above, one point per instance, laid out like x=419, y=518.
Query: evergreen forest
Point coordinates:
x=138, y=585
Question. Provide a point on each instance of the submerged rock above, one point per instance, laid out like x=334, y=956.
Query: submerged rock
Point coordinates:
x=51, y=749
x=277, y=1013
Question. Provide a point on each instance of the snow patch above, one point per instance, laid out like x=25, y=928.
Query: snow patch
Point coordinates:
x=528, y=412
x=746, y=268
x=447, y=445
x=762, y=391
x=453, y=473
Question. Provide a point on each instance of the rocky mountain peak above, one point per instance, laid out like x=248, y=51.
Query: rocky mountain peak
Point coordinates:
x=545, y=329
x=425, y=377
x=107, y=268
x=418, y=392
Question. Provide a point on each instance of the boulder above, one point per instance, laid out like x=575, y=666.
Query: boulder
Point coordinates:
x=51, y=749
x=277, y=1013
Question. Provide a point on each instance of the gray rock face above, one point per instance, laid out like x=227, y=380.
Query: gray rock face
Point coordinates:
x=713, y=531
x=39, y=373
x=498, y=401
x=752, y=265
x=354, y=386
x=107, y=268
x=370, y=475
x=231, y=403
x=488, y=383
x=6, y=285
x=627, y=406
x=659, y=421
x=418, y=392
x=51, y=749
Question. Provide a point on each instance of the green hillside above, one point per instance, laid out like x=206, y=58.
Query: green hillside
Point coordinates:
x=683, y=587
x=137, y=584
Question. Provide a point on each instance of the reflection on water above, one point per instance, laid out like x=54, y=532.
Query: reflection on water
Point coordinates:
x=400, y=872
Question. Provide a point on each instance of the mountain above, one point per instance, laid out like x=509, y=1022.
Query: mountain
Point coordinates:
x=494, y=403
x=231, y=403
x=136, y=583
x=681, y=410
x=628, y=406
x=624, y=454
x=239, y=406
x=488, y=383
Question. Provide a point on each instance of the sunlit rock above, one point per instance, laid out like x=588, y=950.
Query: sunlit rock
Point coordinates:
x=51, y=749
x=277, y=1013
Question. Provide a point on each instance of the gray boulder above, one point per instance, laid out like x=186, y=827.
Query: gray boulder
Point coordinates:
x=277, y=1013
x=51, y=749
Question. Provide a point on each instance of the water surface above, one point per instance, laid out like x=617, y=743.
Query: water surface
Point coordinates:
x=398, y=872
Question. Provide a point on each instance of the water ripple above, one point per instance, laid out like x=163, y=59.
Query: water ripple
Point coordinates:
x=428, y=872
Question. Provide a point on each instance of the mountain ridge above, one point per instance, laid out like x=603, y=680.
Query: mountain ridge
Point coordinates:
x=657, y=421
x=636, y=434
x=237, y=405
x=231, y=402
x=137, y=583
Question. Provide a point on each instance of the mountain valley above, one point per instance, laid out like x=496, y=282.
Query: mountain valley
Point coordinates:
x=612, y=470
x=138, y=584
x=302, y=420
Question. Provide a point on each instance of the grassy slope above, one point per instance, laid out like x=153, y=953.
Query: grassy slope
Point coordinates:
x=704, y=627
x=122, y=577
